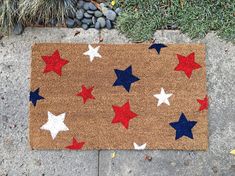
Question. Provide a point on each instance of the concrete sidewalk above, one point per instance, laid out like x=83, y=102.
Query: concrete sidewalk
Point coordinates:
x=16, y=158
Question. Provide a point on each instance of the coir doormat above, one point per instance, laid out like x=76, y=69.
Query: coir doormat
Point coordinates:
x=130, y=96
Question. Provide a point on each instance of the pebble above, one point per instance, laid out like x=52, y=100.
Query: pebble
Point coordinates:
x=18, y=28
x=86, y=6
x=104, y=10
x=101, y=20
x=111, y=15
x=92, y=6
x=98, y=13
x=92, y=26
x=108, y=24
x=93, y=20
x=97, y=25
x=90, y=12
x=118, y=10
x=78, y=22
x=79, y=14
x=102, y=5
x=87, y=15
x=87, y=21
x=69, y=22
x=85, y=26
x=80, y=4
x=53, y=22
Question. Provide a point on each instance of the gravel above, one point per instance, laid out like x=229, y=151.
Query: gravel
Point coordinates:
x=101, y=20
x=69, y=22
x=97, y=25
x=92, y=6
x=85, y=26
x=111, y=15
x=80, y=14
x=87, y=15
x=18, y=28
x=98, y=13
x=108, y=24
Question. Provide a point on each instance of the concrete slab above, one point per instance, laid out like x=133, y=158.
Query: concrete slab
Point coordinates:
x=221, y=90
x=17, y=159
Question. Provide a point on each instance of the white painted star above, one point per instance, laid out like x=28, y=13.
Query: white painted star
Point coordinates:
x=92, y=52
x=162, y=97
x=139, y=147
x=55, y=124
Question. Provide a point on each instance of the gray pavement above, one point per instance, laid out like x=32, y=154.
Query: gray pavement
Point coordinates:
x=16, y=158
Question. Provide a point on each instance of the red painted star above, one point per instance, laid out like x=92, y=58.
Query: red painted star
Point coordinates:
x=75, y=145
x=123, y=114
x=86, y=93
x=203, y=103
x=187, y=64
x=54, y=63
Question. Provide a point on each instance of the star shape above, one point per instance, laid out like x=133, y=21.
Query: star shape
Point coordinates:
x=92, y=52
x=75, y=145
x=157, y=47
x=203, y=103
x=54, y=63
x=34, y=96
x=123, y=114
x=125, y=78
x=163, y=97
x=139, y=147
x=55, y=124
x=86, y=93
x=187, y=64
x=183, y=127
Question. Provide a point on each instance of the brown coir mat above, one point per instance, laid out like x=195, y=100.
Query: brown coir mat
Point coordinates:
x=130, y=96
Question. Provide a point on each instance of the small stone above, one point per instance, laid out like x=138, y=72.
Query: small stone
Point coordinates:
x=118, y=10
x=93, y=20
x=80, y=4
x=18, y=28
x=69, y=22
x=92, y=26
x=102, y=5
x=148, y=158
x=86, y=6
x=90, y=12
x=174, y=26
x=80, y=14
x=92, y=6
x=104, y=10
x=85, y=26
x=87, y=15
x=98, y=13
x=101, y=20
x=87, y=21
x=53, y=21
x=77, y=22
x=108, y=24
x=97, y=25
x=111, y=15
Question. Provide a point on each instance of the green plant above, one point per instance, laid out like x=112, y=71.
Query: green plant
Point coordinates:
x=196, y=18
x=32, y=10
x=8, y=14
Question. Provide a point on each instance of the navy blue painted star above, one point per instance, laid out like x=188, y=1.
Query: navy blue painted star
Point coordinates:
x=34, y=96
x=157, y=47
x=183, y=127
x=125, y=78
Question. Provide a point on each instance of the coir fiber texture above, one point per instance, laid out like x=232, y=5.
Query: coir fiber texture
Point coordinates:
x=130, y=96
